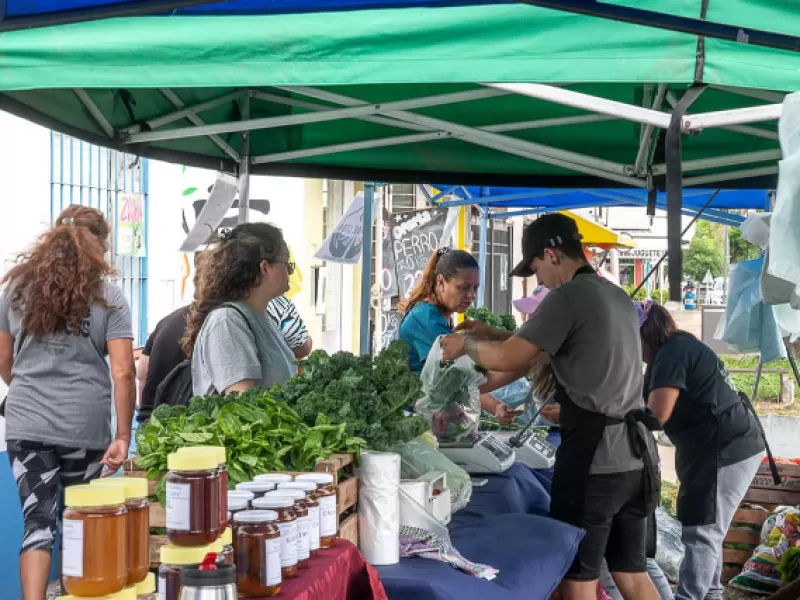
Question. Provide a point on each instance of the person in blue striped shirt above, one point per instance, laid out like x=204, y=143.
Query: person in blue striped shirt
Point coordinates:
x=287, y=319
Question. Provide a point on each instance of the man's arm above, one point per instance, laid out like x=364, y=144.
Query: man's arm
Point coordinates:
x=495, y=380
x=511, y=356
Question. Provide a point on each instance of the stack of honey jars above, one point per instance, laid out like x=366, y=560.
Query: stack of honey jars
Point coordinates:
x=197, y=514
x=106, y=538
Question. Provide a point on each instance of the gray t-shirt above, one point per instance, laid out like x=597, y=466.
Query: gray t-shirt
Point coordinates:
x=61, y=389
x=590, y=330
x=230, y=349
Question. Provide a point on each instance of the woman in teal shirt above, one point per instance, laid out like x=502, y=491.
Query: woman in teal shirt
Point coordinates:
x=449, y=285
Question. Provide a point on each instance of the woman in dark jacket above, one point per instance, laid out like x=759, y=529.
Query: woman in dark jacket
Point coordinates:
x=718, y=444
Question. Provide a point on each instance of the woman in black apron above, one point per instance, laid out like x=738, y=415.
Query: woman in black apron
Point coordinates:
x=718, y=444
x=605, y=477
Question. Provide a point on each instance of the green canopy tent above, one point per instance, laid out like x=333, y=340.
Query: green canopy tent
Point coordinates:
x=491, y=95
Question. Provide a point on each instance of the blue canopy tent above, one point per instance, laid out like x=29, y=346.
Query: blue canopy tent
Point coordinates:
x=704, y=204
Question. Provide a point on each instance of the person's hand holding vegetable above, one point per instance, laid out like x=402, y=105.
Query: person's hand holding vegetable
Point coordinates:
x=506, y=415
x=453, y=346
x=483, y=332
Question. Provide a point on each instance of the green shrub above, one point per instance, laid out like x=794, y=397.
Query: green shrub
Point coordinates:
x=641, y=295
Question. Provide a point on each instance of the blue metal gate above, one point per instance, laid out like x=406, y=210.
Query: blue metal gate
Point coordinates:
x=81, y=173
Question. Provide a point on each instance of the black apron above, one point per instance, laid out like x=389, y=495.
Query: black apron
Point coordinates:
x=581, y=433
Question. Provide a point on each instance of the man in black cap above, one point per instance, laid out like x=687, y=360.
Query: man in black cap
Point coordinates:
x=605, y=479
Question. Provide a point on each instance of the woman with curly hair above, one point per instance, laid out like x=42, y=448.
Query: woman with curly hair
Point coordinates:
x=233, y=345
x=59, y=320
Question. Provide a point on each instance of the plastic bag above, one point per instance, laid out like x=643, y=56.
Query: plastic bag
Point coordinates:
x=513, y=394
x=451, y=400
x=669, y=547
x=419, y=457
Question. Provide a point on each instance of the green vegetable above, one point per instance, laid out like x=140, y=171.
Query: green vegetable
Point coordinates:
x=364, y=395
x=790, y=565
x=260, y=434
x=484, y=315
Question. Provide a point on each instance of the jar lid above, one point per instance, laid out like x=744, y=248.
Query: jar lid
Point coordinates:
x=259, y=487
x=129, y=593
x=180, y=555
x=272, y=502
x=293, y=494
x=243, y=494
x=273, y=477
x=147, y=585
x=306, y=486
x=236, y=503
x=192, y=460
x=193, y=577
x=134, y=487
x=255, y=516
x=227, y=537
x=317, y=478
x=85, y=495
x=218, y=451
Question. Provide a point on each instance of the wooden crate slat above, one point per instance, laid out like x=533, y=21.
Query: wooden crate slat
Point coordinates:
x=784, y=469
x=772, y=496
x=765, y=482
x=751, y=516
x=346, y=494
x=729, y=572
x=743, y=536
x=348, y=530
x=158, y=515
x=156, y=542
x=736, y=557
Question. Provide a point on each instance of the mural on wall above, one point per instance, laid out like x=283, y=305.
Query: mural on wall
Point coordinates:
x=193, y=199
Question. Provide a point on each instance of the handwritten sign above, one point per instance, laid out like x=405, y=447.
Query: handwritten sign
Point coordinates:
x=390, y=326
x=130, y=225
x=415, y=236
x=388, y=279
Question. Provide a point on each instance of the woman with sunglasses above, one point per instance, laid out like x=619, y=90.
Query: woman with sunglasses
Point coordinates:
x=233, y=344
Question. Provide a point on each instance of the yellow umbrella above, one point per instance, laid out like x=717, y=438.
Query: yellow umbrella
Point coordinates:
x=599, y=236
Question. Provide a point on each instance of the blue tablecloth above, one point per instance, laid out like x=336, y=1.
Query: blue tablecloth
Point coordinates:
x=505, y=526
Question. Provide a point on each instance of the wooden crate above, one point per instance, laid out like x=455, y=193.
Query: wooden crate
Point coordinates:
x=341, y=466
x=762, y=492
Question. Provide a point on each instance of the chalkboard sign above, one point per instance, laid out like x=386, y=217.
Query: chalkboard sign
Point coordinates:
x=415, y=235
x=389, y=271
x=390, y=325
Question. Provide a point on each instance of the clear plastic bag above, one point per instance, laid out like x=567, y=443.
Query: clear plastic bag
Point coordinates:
x=451, y=400
x=669, y=547
x=418, y=457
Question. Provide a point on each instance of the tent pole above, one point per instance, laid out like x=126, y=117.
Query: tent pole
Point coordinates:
x=484, y=210
x=244, y=183
x=366, y=268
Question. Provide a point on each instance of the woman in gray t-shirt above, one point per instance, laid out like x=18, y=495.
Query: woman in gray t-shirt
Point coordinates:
x=233, y=345
x=59, y=321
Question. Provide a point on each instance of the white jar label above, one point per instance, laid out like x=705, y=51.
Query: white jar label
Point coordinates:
x=179, y=502
x=327, y=516
x=303, y=540
x=72, y=559
x=162, y=588
x=273, y=566
x=288, y=543
x=313, y=531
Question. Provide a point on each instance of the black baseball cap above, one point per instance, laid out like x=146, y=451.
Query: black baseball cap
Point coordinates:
x=548, y=231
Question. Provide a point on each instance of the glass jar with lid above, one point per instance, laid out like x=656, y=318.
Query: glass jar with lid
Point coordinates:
x=303, y=523
x=94, y=540
x=192, y=498
x=310, y=490
x=328, y=512
x=275, y=478
x=222, y=471
x=169, y=573
x=146, y=589
x=257, y=488
x=287, y=524
x=138, y=519
x=236, y=505
x=257, y=548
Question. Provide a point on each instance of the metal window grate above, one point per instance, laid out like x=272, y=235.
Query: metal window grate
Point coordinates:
x=81, y=173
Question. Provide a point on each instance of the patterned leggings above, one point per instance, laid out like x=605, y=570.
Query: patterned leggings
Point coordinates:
x=41, y=472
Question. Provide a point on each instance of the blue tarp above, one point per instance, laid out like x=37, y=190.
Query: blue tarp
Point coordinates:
x=550, y=199
x=18, y=8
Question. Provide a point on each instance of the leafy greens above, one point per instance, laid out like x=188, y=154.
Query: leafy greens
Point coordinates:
x=367, y=396
x=484, y=315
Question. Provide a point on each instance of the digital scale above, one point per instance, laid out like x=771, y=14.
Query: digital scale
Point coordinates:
x=533, y=451
x=488, y=456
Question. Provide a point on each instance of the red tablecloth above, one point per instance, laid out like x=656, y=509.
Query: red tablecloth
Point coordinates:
x=339, y=573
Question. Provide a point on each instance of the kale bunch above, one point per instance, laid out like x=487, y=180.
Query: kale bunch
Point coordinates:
x=368, y=396
x=484, y=315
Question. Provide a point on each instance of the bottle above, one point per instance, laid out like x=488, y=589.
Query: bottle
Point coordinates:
x=303, y=522
x=313, y=510
x=95, y=540
x=173, y=558
x=222, y=472
x=287, y=524
x=257, y=547
x=328, y=511
x=192, y=498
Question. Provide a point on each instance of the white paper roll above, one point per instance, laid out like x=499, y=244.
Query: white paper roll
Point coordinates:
x=379, y=507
